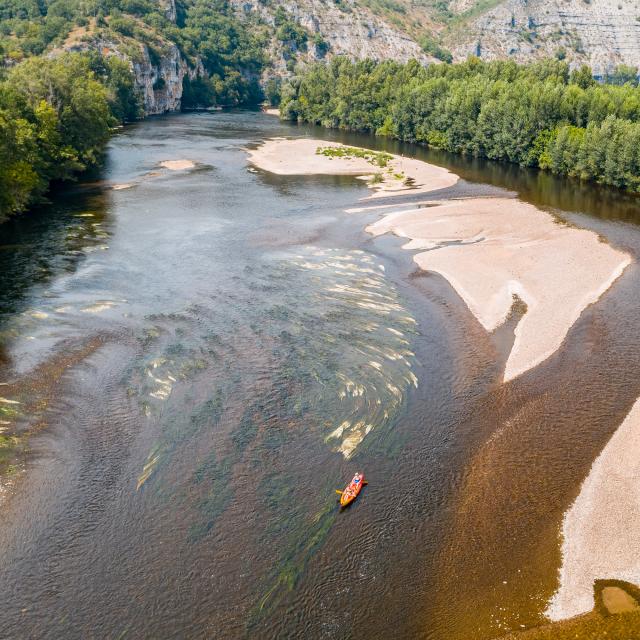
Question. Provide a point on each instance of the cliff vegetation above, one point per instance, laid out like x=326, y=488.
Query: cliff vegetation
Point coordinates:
x=74, y=69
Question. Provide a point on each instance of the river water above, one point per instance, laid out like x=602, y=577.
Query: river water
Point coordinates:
x=195, y=362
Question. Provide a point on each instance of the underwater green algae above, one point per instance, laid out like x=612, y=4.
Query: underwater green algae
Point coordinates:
x=338, y=342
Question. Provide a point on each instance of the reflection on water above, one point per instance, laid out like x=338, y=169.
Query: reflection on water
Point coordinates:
x=231, y=346
x=540, y=188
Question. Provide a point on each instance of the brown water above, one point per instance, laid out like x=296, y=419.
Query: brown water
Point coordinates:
x=183, y=350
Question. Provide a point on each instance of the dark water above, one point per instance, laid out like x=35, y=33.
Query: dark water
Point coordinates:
x=202, y=358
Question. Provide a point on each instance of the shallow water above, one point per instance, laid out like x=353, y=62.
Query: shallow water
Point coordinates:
x=203, y=357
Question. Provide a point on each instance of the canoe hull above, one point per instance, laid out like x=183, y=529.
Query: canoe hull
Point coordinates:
x=352, y=491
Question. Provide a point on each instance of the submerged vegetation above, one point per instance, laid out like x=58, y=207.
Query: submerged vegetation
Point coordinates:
x=538, y=115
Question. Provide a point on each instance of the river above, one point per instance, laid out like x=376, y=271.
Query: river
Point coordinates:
x=179, y=353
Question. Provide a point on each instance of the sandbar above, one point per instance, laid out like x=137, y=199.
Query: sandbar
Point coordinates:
x=299, y=157
x=177, y=165
x=600, y=530
x=272, y=111
x=492, y=249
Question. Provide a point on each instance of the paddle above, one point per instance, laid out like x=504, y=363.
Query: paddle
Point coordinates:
x=339, y=492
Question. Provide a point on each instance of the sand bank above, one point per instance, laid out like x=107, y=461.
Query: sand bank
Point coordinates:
x=272, y=112
x=177, y=165
x=492, y=249
x=489, y=249
x=300, y=157
x=600, y=530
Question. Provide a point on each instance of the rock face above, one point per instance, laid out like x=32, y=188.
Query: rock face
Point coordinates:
x=161, y=83
x=353, y=31
x=169, y=7
x=601, y=33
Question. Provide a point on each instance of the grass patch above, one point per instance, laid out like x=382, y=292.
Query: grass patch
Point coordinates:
x=376, y=158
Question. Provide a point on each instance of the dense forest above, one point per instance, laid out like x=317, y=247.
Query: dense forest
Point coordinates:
x=231, y=50
x=58, y=108
x=539, y=115
x=55, y=117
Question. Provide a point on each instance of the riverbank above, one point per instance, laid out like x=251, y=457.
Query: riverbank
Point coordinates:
x=534, y=115
x=493, y=251
x=600, y=530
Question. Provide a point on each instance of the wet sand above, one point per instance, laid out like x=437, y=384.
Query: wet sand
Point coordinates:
x=600, y=530
x=616, y=614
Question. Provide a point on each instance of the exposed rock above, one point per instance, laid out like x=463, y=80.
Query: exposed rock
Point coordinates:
x=353, y=31
x=602, y=33
x=169, y=7
x=159, y=81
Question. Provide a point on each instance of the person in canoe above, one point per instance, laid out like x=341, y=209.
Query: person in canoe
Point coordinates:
x=353, y=489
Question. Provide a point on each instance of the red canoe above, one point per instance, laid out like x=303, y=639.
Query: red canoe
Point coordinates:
x=353, y=489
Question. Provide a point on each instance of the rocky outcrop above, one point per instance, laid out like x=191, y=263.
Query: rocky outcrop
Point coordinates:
x=160, y=83
x=169, y=8
x=347, y=28
x=158, y=80
x=601, y=33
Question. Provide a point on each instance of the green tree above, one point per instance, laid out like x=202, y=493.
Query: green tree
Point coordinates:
x=536, y=115
x=624, y=74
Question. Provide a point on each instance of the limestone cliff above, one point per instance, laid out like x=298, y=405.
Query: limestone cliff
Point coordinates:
x=601, y=33
x=160, y=82
x=158, y=79
x=347, y=29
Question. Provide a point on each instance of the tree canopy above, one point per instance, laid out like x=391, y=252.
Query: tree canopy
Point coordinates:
x=55, y=117
x=539, y=115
